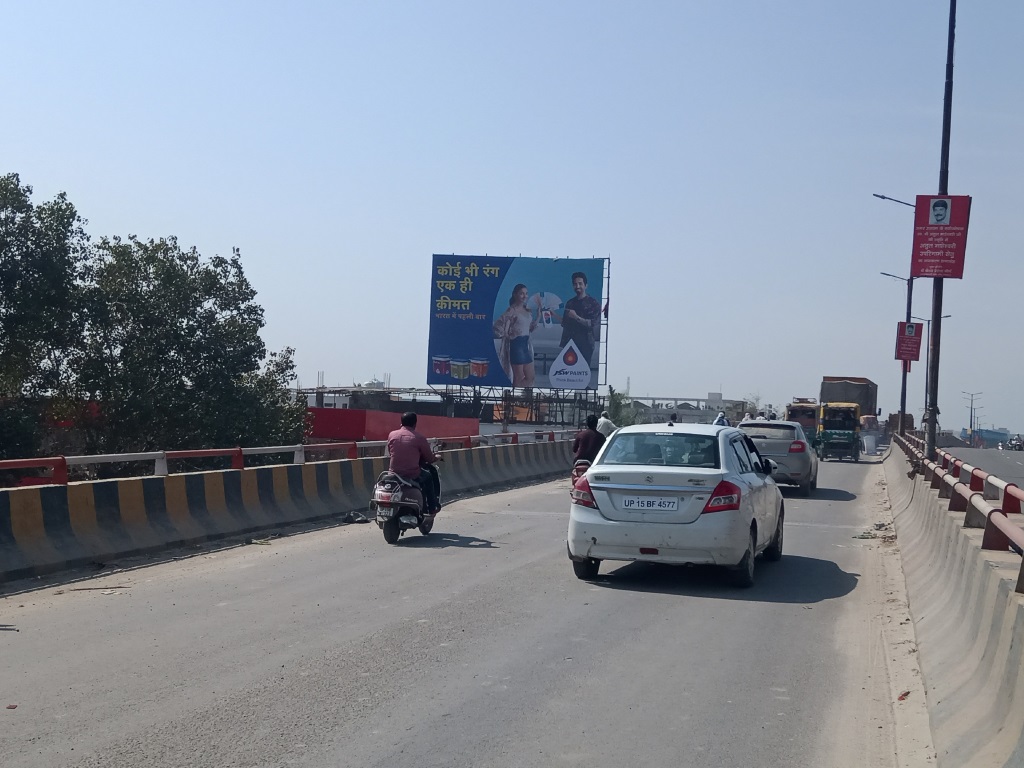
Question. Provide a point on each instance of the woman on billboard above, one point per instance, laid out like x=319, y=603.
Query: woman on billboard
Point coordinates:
x=512, y=329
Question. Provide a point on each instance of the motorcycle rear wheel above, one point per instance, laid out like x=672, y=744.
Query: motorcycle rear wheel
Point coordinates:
x=392, y=530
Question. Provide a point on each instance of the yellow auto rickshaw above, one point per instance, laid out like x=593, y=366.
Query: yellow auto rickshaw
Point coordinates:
x=839, y=431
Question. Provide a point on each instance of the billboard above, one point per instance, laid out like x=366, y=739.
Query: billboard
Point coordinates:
x=515, y=322
x=908, y=341
x=940, y=235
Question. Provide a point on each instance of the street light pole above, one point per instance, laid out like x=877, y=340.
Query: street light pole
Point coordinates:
x=935, y=341
x=927, y=335
x=903, y=383
x=972, y=395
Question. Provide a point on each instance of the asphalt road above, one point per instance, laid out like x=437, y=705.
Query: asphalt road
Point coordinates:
x=1006, y=465
x=475, y=646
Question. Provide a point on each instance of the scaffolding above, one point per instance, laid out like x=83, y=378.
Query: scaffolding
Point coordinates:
x=504, y=405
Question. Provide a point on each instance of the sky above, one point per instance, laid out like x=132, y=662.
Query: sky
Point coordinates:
x=722, y=156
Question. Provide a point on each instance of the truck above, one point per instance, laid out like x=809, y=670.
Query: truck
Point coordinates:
x=804, y=411
x=850, y=389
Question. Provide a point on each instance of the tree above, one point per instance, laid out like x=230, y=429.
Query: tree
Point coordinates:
x=172, y=352
x=620, y=408
x=753, y=403
x=43, y=259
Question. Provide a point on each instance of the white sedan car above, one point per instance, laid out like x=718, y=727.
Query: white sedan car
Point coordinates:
x=676, y=493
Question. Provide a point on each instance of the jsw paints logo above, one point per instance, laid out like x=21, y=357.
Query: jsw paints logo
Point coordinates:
x=570, y=369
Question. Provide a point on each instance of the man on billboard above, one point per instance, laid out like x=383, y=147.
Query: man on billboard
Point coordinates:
x=581, y=321
x=939, y=212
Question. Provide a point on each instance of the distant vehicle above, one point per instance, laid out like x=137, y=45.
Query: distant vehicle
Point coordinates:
x=804, y=411
x=839, y=431
x=893, y=422
x=850, y=389
x=785, y=443
x=1015, y=443
x=681, y=494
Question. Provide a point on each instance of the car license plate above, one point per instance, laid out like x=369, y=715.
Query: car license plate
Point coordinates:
x=652, y=503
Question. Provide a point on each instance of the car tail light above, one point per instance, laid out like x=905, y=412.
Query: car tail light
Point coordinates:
x=798, y=446
x=726, y=496
x=582, y=495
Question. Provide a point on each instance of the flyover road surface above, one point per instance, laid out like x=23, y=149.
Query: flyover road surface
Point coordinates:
x=474, y=646
x=1006, y=465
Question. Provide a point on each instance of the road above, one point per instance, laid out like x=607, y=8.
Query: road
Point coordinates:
x=475, y=646
x=1006, y=465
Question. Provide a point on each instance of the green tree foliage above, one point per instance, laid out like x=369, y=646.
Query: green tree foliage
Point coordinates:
x=620, y=408
x=43, y=259
x=173, y=355
x=143, y=344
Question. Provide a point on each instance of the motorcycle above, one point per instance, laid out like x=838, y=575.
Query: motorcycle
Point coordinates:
x=1015, y=444
x=398, y=504
x=579, y=469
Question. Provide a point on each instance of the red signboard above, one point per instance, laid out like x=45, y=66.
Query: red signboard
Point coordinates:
x=908, y=341
x=940, y=235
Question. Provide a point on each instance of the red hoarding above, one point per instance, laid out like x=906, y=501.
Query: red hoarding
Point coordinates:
x=940, y=235
x=908, y=341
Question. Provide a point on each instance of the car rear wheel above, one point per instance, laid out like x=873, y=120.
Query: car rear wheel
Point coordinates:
x=806, y=487
x=773, y=552
x=743, y=575
x=586, y=569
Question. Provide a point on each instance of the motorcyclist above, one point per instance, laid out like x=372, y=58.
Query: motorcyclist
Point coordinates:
x=588, y=441
x=721, y=420
x=409, y=449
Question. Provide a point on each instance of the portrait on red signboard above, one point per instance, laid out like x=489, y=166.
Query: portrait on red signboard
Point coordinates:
x=939, y=212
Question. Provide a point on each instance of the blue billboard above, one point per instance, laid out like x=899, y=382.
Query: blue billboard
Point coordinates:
x=515, y=322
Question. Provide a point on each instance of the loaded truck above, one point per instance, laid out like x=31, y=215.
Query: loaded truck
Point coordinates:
x=845, y=403
x=850, y=389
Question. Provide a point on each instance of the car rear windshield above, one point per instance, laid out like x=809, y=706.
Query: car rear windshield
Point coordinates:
x=671, y=449
x=770, y=431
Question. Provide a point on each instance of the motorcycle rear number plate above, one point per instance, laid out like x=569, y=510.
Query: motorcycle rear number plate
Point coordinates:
x=656, y=503
x=384, y=512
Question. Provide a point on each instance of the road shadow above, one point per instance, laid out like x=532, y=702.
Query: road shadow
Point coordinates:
x=831, y=494
x=793, y=579
x=440, y=540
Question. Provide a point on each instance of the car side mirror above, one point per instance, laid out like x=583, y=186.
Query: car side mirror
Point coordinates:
x=769, y=466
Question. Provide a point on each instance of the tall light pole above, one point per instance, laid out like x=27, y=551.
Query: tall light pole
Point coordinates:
x=932, y=408
x=927, y=349
x=903, y=384
x=972, y=395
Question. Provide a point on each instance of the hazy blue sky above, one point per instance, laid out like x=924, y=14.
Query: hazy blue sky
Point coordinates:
x=722, y=155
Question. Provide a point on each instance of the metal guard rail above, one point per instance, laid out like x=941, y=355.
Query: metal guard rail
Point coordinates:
x=969, y=490
x=58, y=465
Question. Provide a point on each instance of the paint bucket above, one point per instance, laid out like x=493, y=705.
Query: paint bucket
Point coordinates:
x=478, y=367
x=460, y=369
x=442, y=365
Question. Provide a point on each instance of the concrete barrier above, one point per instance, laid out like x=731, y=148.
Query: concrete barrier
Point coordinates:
x=968, y=619
x=53, y=527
